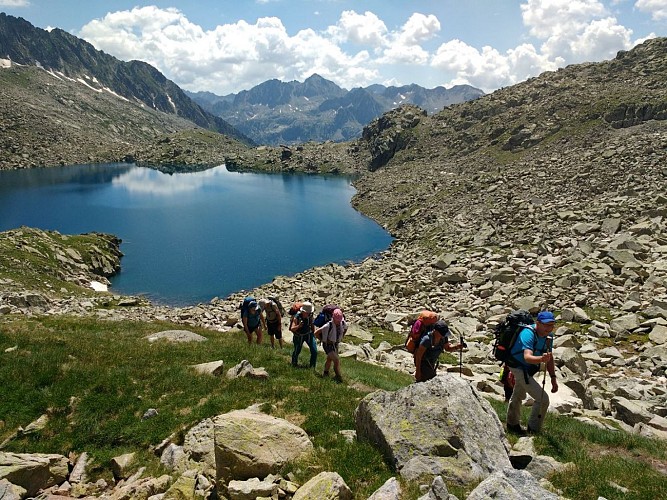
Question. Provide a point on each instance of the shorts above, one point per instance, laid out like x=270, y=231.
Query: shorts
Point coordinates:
x=275, y=329
x=329, y=348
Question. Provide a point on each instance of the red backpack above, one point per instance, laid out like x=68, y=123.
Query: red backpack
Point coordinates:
x=294, y=308
x=423, y=324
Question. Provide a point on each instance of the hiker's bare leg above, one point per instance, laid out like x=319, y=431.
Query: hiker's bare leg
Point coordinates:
x=336, y=364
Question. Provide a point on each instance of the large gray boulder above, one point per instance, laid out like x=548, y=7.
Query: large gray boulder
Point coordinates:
x=440, y=427
x=33, y=472
x=252, y=444
x=510, y=484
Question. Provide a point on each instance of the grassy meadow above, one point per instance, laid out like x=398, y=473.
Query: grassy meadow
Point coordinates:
x=95, y=379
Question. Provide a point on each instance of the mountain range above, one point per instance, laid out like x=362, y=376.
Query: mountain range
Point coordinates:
x=276, y=112
x=68, y=57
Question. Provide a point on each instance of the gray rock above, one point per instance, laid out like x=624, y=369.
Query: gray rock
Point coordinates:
x=252, y=444
x=251, y=489
x=452, y=431
x=390, y=490
x=326, y=485
x=214, y=368
x=33, y=472
x=510, y=484
x=176, y=336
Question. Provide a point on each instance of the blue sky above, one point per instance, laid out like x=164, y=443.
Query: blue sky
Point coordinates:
x=226, y=46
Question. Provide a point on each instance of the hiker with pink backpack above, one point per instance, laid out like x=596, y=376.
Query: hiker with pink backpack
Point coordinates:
x=331, y=334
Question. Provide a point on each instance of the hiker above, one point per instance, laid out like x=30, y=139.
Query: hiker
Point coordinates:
x=303, y=329
x=273, y=321
x=253, y=322
x=331, y=334
x=430, y=347
x=532, y=347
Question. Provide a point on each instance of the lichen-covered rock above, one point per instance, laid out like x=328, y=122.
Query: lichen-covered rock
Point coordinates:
x=324, y=486
x=440, y=427
x=252, y=444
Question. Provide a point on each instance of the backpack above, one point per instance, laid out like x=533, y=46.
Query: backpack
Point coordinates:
x=245, y=305
x=419, y=328
x=506, y=333
x=273, y=298
x=294, y=308
x=325, y=315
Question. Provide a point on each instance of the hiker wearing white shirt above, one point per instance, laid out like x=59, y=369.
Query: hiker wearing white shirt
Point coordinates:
x=331, y=333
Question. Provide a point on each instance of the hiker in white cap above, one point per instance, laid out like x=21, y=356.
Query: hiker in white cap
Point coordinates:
x=303, y=329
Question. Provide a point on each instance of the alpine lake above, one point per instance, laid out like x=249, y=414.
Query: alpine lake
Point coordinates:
x=190, y=237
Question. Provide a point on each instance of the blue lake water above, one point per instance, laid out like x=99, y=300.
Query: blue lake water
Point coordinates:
x=190, y=237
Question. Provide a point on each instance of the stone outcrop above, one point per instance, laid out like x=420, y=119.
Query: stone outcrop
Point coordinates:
x=33, y=472
x=324, y=486
x=510, y=484
x=440, y=427
x=252, y=444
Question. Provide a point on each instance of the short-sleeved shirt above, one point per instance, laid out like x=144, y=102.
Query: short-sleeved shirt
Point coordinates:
x=253, y=319
x=333, y=333
x=433, y=351
x=529, y=339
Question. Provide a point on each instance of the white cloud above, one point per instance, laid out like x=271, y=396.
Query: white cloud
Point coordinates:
x=575, y=30
x=418, y=29
x=559, y=18
x=362, y=29
x=488, y=69
x=228, y=58
x=404, y=46
x=657, y=8
x=359, y=49
x=14, y=3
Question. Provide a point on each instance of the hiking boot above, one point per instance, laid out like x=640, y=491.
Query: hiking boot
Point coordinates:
x=325, y=374
x=338, y=379
x=531, y=431
x=516, y=429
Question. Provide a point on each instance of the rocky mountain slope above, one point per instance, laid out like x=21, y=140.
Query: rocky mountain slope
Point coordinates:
x=108, y=90
x=276, y=112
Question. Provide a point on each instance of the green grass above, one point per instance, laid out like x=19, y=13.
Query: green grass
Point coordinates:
x=95, y=379
x=602, y=459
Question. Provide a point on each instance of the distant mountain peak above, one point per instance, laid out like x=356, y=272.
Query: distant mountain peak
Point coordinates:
x=317, y=109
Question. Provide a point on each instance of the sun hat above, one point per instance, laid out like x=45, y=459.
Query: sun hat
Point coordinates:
x=546, y=317
x=252, y=305
x=337, y=316
x=307, y=307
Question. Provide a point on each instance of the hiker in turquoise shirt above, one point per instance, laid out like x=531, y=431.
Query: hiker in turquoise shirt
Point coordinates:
x=532, y=347
x=253, y=322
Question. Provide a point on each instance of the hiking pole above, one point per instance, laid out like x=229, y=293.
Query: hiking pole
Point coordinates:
x=463, y=344
x=544, y=379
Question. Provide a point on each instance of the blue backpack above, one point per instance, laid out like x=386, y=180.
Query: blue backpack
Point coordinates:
x=245, y=305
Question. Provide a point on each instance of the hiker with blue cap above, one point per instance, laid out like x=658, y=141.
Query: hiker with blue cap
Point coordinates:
x=532, y=347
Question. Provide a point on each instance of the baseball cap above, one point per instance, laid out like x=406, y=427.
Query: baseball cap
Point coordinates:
x=546, y=317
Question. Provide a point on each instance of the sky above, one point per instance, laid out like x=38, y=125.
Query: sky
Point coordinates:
x=225, y=46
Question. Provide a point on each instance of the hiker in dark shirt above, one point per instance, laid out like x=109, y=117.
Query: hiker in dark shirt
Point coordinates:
x=430, y=347
x=253, y=322
x=303, y=329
